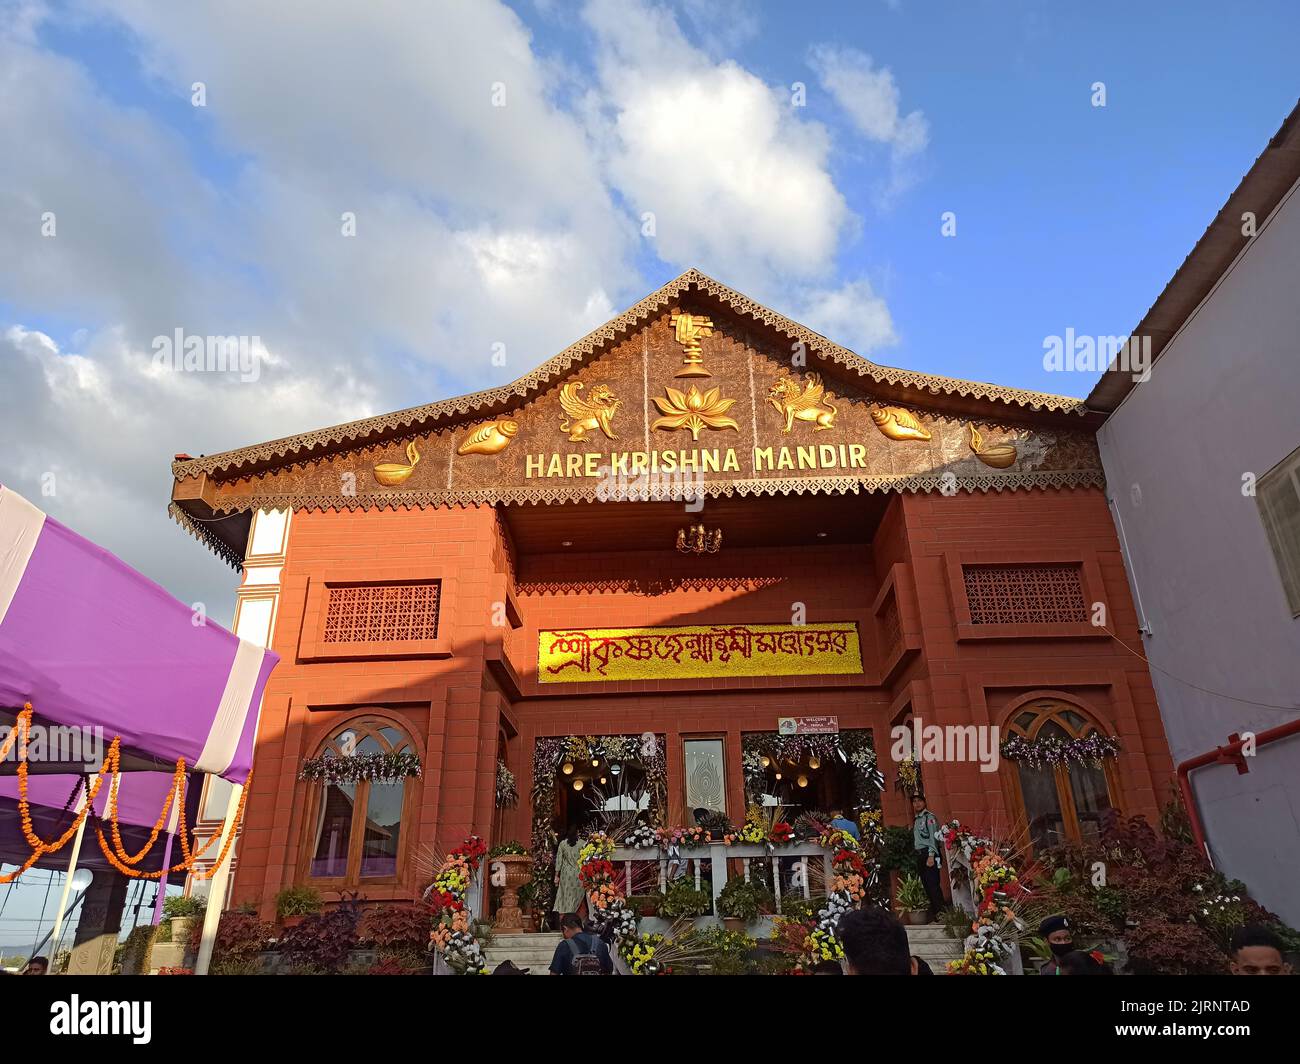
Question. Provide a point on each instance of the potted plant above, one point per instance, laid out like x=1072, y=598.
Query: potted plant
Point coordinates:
x=682, y=899
x=739, y=903
x=180, y=910
x=913, y=902
x=645, y=904
x=293, y=904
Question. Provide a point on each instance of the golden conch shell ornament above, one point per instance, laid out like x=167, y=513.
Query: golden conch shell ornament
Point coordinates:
x=1000, y=456
x=586, y=415
x=394, y=473
x=694, y=410
x=492, y=438
x=803, y=404
x=899, y=424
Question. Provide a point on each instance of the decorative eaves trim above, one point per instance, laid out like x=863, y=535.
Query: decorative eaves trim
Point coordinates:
x=496, y=399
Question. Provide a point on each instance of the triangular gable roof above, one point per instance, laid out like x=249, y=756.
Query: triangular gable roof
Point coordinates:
x=494, y=400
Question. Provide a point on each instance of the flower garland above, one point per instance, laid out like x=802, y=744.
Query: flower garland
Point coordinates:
x=1046, y=751
x=853, y=747
x=550, y=753
x=112, y=768
x=994, y=881
x=451, y=935
x=507, y=790
x=378, y=768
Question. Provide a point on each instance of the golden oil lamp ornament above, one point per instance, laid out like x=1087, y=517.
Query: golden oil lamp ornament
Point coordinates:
x=699, y=540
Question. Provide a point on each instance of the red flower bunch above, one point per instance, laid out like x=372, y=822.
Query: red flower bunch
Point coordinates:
x=781, y=832
x=472, y=849
x=440, y=900
x=595, y=872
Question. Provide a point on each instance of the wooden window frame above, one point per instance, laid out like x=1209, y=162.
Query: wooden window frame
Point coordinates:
x=1061, y=772
x=352, y=878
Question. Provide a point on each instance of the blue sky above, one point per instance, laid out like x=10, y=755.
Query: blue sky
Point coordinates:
x=520, y=225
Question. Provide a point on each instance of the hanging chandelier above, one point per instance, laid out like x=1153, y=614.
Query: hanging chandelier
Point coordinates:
x=699, y=540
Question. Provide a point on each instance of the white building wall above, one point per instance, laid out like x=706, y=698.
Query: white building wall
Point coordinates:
x=1223, y=401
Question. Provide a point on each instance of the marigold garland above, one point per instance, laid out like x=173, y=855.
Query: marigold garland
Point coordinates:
x=120, y=860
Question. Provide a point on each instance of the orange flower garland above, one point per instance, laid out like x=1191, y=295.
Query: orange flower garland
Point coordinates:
x=121, y=860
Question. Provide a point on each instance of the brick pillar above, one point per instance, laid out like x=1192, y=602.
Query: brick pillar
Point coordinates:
x=101, y=920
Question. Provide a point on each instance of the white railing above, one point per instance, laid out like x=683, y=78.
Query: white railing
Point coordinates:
x=715, y=857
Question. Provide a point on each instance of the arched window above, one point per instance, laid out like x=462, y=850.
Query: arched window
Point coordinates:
x=1061, y=802
x=357, y=826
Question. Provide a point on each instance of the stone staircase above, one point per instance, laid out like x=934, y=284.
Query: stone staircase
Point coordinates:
x=931, y=943
x=534, y=951
x=528, y=950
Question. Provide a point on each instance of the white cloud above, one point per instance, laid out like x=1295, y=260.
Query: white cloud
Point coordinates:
x=870, y=97
x=476, y=225
x=738, y=183
x=852, y=315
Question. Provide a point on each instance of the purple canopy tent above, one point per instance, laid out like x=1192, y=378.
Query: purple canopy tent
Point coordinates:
x=91, y=643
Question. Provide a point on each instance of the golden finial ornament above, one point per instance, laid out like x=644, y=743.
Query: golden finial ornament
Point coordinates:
x=689, y=330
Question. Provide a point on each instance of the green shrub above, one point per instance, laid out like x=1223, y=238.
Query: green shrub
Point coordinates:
x=297, y=901
x=178, y=906
x=682, y=899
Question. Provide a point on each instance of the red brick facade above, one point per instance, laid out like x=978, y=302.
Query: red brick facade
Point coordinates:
x=476, y=683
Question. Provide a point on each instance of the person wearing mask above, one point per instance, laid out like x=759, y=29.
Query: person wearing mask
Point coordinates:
x=1256, y=950
x=580, y=952
x=1055, y=931
x=925, y=839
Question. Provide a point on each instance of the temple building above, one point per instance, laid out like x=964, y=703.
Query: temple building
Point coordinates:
x=702, y=558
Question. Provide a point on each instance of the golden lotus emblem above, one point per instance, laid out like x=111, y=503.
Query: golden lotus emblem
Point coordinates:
x=694, y=410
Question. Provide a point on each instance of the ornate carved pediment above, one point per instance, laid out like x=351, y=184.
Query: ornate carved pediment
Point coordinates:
x=769, y=414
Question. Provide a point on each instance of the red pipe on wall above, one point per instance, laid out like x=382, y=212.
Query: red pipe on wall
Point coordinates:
x=1223, y=755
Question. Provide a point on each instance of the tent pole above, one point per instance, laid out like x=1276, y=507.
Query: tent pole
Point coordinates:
x=72, y=867
x=217, y=890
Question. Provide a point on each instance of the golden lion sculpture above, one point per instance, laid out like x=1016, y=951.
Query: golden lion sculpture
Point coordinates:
x=811, y=403
x=584, y=415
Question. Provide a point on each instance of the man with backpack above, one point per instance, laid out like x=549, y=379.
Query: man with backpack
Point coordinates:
x=581, y=952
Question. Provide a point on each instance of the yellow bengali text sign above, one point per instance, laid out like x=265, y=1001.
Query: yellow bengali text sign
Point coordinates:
x=595, y=655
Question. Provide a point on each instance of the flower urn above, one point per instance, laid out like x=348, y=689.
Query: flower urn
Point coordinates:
x=510, y=871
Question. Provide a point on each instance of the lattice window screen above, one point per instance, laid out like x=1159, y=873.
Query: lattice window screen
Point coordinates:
x=1025, y=594
x=382, y=613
